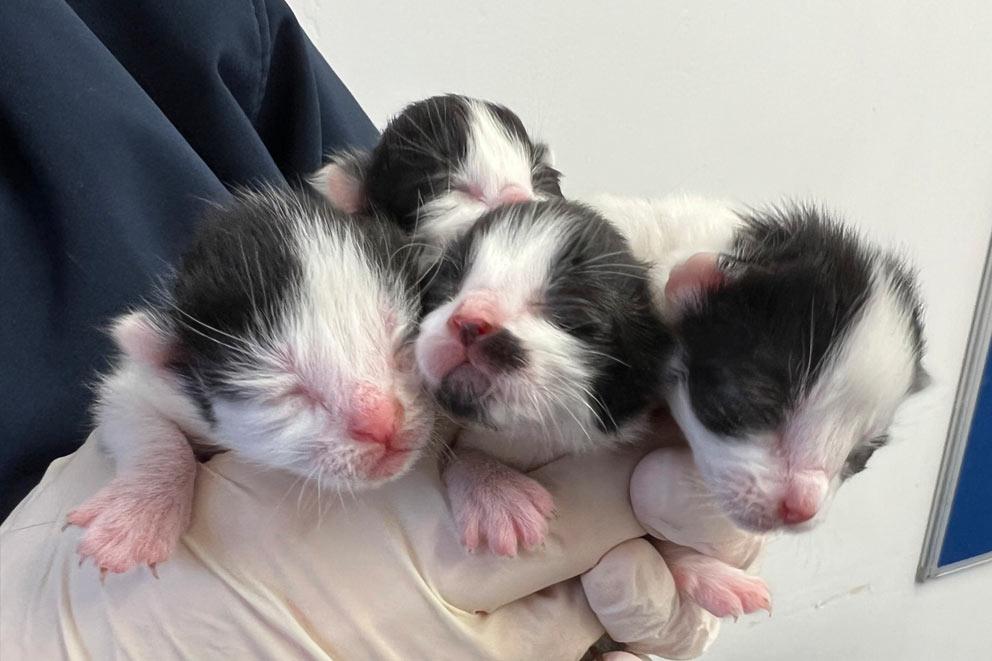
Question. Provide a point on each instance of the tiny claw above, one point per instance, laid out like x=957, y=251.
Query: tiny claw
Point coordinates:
x=82, y=559
x=103, y=575
x=154, y=569
x=65, y=525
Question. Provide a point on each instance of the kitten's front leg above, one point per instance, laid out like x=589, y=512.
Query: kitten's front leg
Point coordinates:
x=496, y=505
x=718, y=587
x=138, y=518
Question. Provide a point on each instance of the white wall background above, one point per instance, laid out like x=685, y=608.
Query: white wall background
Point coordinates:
x=882, y=109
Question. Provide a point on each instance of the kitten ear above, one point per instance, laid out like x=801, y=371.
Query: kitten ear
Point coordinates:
x=142, y=338
x=691, y=279
x=543, y=155
x=545, y=178
x=342, y=180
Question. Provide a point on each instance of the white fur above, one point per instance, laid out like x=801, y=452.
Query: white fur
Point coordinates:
x=515, y=259
x=332, y=343
x=542, y=410
x=494, y=160
x=441, y=220
x=854, y=399
x=665, y=232
x=343, y=332
x=661, y=232
x=858, y=392
x=855, y=396
x=135, y=404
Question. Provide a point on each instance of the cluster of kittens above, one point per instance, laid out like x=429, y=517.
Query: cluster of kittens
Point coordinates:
x=443, y=273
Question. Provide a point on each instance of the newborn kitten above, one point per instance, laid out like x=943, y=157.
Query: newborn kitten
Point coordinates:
x=285, y=338
x=441, y=164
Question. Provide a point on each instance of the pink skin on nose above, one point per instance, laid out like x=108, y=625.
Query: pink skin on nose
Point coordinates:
x=376, y=416
x=443, y=351
x=468, y=328
x=803, y=496
x=477, y=315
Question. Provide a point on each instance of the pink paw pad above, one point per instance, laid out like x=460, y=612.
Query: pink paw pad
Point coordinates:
x=723, y=590
x=129, y=524
x=508, y=514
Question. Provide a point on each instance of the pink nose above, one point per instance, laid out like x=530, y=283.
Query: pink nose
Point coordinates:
x=511, y=194
x=469, y=329
x=803, y=497
x=792, y=514
x=475, y=317
x=376, y=417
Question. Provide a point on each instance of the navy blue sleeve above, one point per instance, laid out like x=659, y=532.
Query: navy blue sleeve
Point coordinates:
x=119, y=121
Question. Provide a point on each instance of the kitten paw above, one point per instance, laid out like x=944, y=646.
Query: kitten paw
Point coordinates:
x=723, y=590
x=130, y=523
x=507, y=514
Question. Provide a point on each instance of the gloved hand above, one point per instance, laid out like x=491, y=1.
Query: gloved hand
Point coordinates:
x=641, y=589
x=269, y=570
x=672, y=502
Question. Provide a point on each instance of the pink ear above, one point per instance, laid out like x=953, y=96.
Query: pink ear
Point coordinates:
x=341, y=187
x=137, y=335
x=693, y=277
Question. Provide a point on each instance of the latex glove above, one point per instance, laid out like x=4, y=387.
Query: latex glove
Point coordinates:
x=673, y=503
x=267, y=571
x=633, y=589
x=633, y=593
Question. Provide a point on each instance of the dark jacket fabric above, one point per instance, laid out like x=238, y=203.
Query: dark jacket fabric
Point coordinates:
x=119, y=122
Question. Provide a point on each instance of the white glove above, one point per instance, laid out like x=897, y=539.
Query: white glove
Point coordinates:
x=265, y=571
x=671, y=501
x=642, y=591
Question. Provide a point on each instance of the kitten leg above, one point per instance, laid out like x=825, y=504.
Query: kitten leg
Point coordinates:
x=496, y=505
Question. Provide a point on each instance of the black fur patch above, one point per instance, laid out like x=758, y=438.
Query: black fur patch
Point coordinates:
x=503, y=351
x=240, y=276
x=544, y=178
x=444, y=279
x=234, y=282
x=597, y=293
x=462, y=393
x=423, y=147
x=459, y=402
x=796, y=281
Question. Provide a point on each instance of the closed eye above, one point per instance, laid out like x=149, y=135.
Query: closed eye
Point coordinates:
x=858, y=459
x=469, y=189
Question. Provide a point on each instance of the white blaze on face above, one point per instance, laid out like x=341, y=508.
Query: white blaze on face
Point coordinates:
x=788, y=476
x=856, y=395
x=495, y=158
x=310, y=381
x=508, y=273
x=496, y=170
